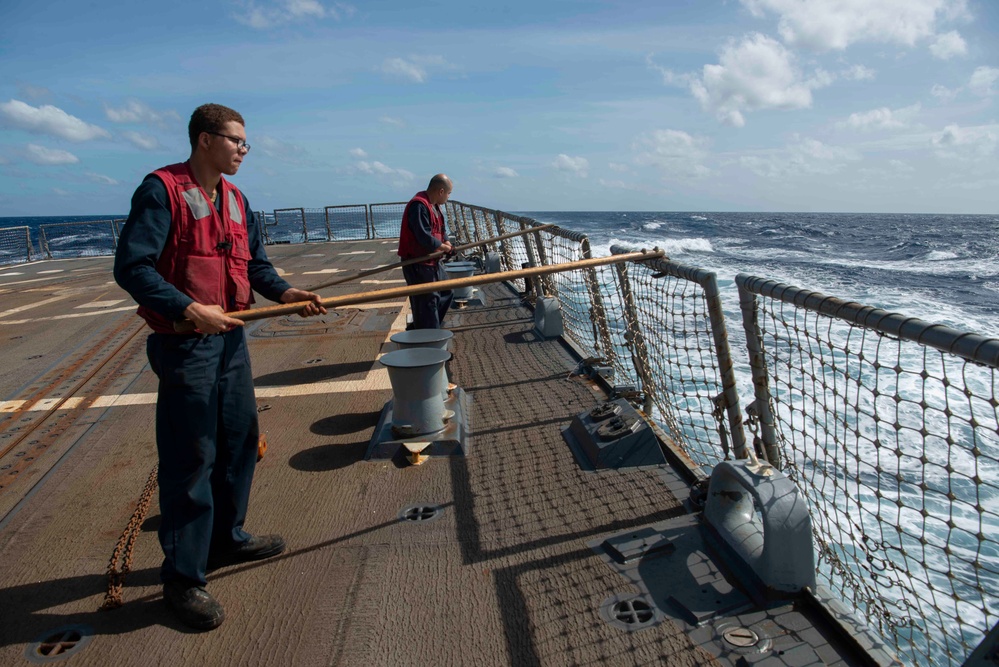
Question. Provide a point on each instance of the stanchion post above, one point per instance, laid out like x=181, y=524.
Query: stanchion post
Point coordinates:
x=639, y=351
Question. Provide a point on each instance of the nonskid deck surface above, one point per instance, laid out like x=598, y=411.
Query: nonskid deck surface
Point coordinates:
x=502, y=575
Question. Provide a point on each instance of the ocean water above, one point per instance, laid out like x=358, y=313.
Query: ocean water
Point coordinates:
x=940, y=268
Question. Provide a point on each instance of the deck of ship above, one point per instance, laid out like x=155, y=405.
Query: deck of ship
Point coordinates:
x=503, y=575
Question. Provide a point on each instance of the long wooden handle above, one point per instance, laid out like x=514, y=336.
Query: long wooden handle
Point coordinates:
x=187, y=326
x=425, y=258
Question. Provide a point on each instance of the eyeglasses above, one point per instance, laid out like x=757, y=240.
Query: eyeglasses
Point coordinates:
x=240, y=143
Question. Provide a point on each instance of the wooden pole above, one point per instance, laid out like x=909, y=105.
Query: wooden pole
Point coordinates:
x=187, y=326
x=426, y=258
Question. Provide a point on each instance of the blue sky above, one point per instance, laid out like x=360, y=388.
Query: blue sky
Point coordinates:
x=685, y=105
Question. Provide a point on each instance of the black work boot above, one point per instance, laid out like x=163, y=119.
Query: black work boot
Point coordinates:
x=256, y=548
x=193, y=605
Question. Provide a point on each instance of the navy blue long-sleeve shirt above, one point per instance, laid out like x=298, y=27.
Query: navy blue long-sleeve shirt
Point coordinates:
x=145, y=235
x=418, y=220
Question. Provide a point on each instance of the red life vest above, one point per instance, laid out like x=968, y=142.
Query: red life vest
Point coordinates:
x=206, y=255
x=408, y=247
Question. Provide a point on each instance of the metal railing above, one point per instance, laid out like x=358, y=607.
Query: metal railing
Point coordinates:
x=889, y=425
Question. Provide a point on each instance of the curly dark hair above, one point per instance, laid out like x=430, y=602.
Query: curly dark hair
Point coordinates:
x=210, y=118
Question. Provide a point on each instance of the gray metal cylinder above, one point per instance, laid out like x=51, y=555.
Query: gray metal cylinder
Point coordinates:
x=417, y=404
x=438, y=339
x=492, y=262
x=460, y=270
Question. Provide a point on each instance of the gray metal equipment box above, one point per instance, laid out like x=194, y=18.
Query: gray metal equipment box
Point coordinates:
x=613, y=435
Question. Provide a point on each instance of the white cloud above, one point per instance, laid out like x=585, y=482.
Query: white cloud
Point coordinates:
x=377, y=168
x=135, y=111
x=388, y=120
x=49, y=156
x=943, y=93
x=51, y=120
x=807, y=156
x=669, y=77
x=882, y=118
x=270, y=14
x=617, y=166
x=982, y=79
x=101, y=178
x=358, y=153
x=574, y=165
x=948, y=45
x=825, y=25
x=414, y=68
x=858, y=73
x=758, y=73
x=143, y=141
x=901, y=167
x=674, y=152
x=279, y=150
x=505, y=172
x=965, y=143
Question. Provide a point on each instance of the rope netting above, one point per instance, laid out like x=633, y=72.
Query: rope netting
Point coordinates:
x=385, y=219
x=15, y=245
x=663, y=334
x=91, y=238
x=347, y=222
x=895, y=445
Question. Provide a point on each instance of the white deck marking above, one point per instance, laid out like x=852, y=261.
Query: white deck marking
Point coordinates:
x=8, y=275
x=52, y=271
x=100, y=304
x=376, y=379
x=29, y=306
x=357, y=252
x=381, y=282
x=312, y=273
x=46, y=278
x=68, y=316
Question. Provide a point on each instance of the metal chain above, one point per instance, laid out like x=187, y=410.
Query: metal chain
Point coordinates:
x=126, y=543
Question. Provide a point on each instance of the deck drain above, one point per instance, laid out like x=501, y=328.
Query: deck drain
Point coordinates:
x=743, y=639
x=420, y=513
x=59, y=644
x=629, y=612
x=740, y=637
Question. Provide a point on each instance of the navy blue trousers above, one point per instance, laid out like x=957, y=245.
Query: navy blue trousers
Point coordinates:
x=428, y=309
x=206, y=438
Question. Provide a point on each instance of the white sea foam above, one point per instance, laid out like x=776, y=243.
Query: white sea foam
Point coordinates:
x=671, y=247
x=940, y=255
x=650, y=226
x=697, y=217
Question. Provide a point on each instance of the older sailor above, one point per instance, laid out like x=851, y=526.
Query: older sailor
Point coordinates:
x=423, y=233
x=191, y=248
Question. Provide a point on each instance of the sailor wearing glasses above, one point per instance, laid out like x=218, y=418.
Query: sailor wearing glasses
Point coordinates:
x=191, y=249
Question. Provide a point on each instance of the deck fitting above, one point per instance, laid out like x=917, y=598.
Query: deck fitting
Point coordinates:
x=59, y=644
x=629, y=612
x=420, y=513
